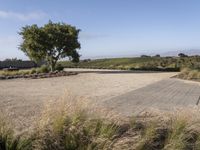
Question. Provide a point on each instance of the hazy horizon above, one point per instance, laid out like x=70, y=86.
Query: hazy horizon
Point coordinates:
x=108, y=28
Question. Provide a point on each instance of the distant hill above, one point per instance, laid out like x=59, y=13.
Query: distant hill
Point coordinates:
x=168, y=53
x=187, y=52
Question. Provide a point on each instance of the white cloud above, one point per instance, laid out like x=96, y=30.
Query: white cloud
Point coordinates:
x=22, y=16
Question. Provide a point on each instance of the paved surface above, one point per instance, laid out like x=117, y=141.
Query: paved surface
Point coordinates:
x=164, y=95
x=113, y=71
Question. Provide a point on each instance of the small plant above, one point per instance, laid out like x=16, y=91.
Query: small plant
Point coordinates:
x=147, y=137
x=8, y=141
x=75, y=131
x=43, y=69
x=22, y=72
x=59, y=67
x=177, y=134
x=189, y=74
x=33, y=71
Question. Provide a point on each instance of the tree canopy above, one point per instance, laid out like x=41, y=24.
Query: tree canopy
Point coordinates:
x=50, y=42
x=182, y=55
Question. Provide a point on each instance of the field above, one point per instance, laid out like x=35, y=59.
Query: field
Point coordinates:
x=143, y=63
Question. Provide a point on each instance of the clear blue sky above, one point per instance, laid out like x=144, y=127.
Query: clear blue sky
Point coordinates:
x=109, y=27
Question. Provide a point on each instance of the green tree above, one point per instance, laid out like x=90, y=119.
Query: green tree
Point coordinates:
x=182, y=55
x=50, y=42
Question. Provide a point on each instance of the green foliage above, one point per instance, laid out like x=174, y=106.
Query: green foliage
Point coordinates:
x=33, y=71
x=177, y=135
x=182, y=55
x=59, y=67
x=139, y=63
x=51, y=42
x=8, y=141
x=43, y=69
x=148, y=136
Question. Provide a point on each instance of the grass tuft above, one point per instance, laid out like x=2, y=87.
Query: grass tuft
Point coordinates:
x=68, y=126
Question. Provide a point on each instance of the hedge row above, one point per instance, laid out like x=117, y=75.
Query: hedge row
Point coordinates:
x=157, y=69
x=19, y=64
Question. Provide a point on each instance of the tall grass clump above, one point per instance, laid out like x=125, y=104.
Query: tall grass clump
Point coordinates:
x=12, y=73
x=74, y=125
x=153, y=136
x=43, y=69
x=184, y=131
x=190, y=74
x=10, y=141
x=59, y=67
x=177, y=134
x=70, y=127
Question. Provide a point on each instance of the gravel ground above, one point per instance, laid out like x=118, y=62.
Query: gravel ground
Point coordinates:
x=24, y=99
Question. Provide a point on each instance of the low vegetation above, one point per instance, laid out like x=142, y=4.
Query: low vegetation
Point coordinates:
x=188, y=65
x=190, y=74
x=42, y=69
x=139, y=63
x=67, y=127
x=10, y=141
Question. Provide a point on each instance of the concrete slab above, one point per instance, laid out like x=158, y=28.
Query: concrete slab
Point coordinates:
x=163, y=95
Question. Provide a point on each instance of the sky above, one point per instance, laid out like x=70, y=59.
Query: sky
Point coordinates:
x=108, y=27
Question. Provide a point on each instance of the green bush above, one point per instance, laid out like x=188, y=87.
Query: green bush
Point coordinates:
x=43, y=69
x=8, y=140
x=59, y=67
x=33, y=71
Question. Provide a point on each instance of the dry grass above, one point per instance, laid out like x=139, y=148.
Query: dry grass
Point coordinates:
x=73, y=123
x=42, y=69
x=12, y=73
x=10, y=141
x=189, y=74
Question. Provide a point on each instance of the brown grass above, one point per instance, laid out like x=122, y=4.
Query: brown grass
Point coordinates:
x=74, y=123
x=189, y=74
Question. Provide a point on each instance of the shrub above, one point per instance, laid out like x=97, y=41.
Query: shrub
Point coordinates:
x=43, y=69
x=75, y=131
x=59, y=67
x=8, y=141
x=24, y=72
x=189, y=74
x=33, y=71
